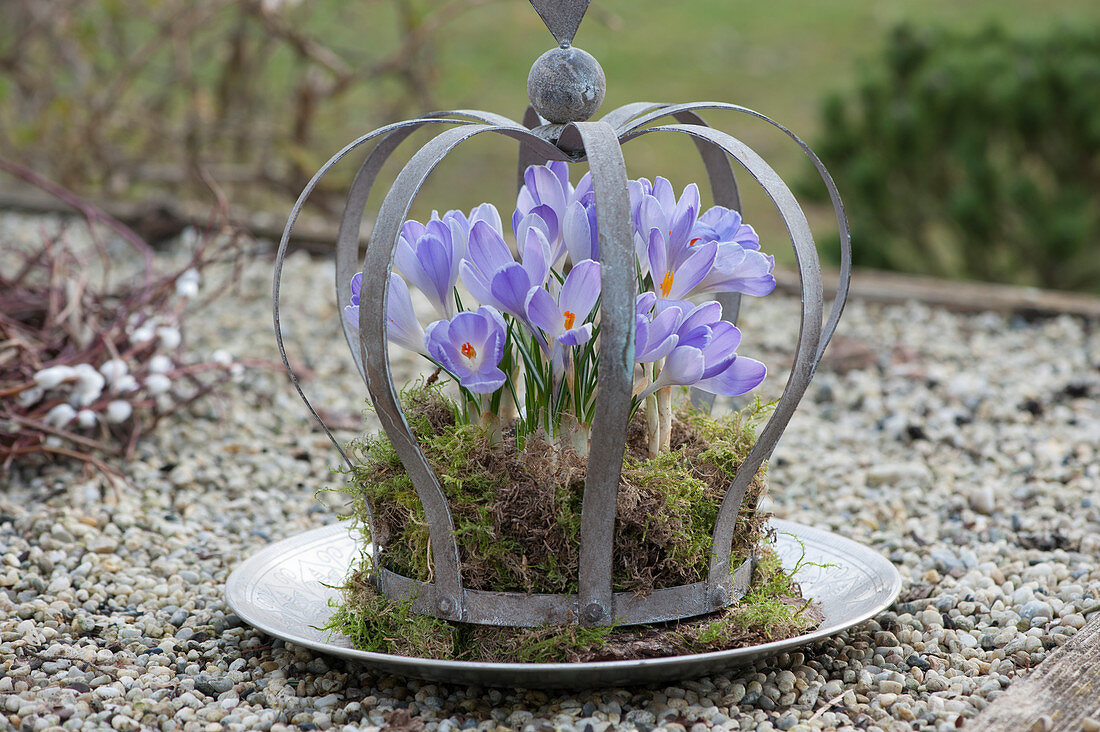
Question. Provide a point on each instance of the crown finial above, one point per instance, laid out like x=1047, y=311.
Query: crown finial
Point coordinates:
x=562, y=17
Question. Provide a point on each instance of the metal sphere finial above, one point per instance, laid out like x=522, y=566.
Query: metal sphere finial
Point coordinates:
x=566, y=85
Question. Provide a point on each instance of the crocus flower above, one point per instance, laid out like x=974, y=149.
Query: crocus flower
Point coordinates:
x=495, y=278
x=564, y=320
x=470, y=346
x=654, y=335
x=429, y=256
x=737, y=269
x=675, y=274
x=402, y=327
x=724, y=224
x=579, y=232
x=705, y=354
x=546, y=192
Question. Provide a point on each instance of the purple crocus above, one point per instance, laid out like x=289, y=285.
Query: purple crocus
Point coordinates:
x=564, y=320
x=402, y=327
x=547, y=193
x=429, y=256
x=724, y=224
x=654, y=335
x=737, y=269
x=705, y=354
x=676, y=273
x=495, y=278
x=470, y=346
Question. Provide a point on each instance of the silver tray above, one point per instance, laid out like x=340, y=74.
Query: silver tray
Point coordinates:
x=284, y=590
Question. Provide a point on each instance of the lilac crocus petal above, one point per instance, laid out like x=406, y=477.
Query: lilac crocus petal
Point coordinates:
x=721, y=349
x=683, y=367
x=665, y=195
x=470, y=346
x=402, y=327
x=546, y=186
x=643, y=303
x=356, y=287
x=679, y=280
x=543, y=311
x=488, y=213
x=579, y=233
x=659, y=336
x=536, y=256
x=428, y=266
x=727, y=225
x=581, y=289
x=564, y=320
x=509, y=288
x=740, y=270
x=476, y=283
x=487, y=250
x=741, y=376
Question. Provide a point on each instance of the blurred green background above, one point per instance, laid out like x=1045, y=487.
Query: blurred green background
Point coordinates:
x=135, y=98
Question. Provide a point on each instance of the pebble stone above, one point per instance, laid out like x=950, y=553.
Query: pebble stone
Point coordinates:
x=962, y=447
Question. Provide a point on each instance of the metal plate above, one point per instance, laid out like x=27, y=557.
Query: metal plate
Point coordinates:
x=284, y=590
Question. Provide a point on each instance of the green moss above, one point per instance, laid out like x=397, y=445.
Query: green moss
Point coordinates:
x=772, y=610
x=517, y=513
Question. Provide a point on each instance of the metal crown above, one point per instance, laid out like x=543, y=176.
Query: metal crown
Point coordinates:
x=598, y=143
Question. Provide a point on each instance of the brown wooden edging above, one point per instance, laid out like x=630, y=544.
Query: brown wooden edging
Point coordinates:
x=1062, y=693
x=157, y=220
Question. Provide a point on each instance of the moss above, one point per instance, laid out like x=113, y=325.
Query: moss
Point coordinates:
x=772, y=610
x=517, y=512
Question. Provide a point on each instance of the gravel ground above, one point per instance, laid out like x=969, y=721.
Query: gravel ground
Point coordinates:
x=964, y=447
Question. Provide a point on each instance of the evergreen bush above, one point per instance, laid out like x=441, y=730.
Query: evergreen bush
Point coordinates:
x=975, y=156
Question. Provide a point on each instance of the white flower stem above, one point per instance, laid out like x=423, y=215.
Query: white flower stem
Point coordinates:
x=664, y=411
x=653, y=425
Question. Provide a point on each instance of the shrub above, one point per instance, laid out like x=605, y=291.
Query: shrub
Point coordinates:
x=975, y=156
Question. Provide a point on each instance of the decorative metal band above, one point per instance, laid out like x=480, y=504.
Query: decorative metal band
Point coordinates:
x=372, y=342
x=348, y=238
x=619, y=285
x=531, y=611
x=635, y=120
x=809, y=336
x=600, y=142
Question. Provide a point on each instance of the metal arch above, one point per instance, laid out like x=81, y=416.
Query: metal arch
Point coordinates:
x=527, y=154
x=618, y=288
x=280, y=257
x=845, y=275
x=347, y=240
x=808, y=340
x=723, y=186
x=449, y=601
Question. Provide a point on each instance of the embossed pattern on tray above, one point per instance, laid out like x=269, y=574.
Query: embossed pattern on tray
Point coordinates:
x=284, y=590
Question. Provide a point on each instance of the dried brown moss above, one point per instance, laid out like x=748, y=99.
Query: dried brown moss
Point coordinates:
x=517, y=512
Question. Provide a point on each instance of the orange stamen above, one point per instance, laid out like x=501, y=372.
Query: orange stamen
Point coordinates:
x=666, y=283
x=469, y=351
x=692, y=242
x=570, y=318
